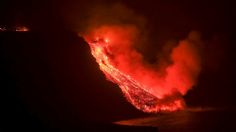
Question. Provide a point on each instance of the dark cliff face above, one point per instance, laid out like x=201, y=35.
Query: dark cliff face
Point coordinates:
x=52, y=78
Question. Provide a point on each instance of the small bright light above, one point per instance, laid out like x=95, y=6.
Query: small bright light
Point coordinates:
x=106, y=40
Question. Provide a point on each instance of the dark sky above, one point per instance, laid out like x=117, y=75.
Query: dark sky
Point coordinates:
x=50, y=80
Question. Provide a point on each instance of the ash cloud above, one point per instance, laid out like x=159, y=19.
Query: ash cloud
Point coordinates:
x=178, y=64
x=111, y=14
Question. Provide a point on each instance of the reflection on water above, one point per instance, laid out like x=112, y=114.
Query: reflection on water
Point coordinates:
x=189, y=120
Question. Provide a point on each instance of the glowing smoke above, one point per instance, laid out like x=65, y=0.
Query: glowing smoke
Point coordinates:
x=113, y=33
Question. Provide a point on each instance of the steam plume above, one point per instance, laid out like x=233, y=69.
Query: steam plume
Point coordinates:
x=113, y=33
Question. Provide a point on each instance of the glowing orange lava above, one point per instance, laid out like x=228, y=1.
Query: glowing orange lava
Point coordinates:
x=145, y=88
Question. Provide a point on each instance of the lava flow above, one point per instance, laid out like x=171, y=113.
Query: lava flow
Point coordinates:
x=144, y=87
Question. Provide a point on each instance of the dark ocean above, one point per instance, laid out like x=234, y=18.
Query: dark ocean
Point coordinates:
x=190, y=120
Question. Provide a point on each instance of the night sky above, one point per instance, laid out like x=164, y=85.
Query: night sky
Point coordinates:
x=50, y=81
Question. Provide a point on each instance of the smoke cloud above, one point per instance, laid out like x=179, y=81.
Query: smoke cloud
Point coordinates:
x=119, y=31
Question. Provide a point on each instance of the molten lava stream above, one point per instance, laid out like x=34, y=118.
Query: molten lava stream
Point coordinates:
x=135, y=92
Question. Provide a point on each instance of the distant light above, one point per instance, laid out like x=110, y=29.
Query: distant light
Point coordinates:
x=22, y=29
x=2, y=29
x=14, y=29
